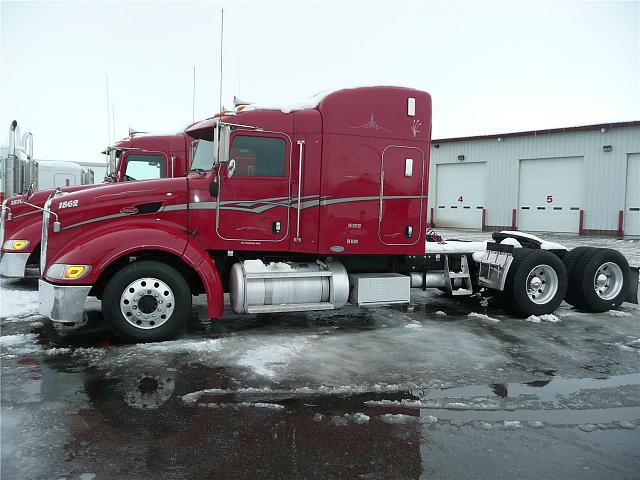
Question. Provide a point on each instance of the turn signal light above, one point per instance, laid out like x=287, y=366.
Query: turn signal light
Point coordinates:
x=74, y=271
x=64, y=271
x=15, y=244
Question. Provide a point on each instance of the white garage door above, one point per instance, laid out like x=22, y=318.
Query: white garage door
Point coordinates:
x=550, y=195
x=632, y=202
x=460, y=195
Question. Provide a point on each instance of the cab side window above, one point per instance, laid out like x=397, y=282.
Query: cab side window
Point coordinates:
x=258, y=156
x=144, y=167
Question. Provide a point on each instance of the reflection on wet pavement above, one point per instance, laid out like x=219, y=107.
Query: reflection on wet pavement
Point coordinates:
x=427, y=391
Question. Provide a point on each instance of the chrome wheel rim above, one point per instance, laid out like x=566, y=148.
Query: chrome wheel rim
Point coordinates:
x=542, y=284
x=608, y=281
x=147, y=303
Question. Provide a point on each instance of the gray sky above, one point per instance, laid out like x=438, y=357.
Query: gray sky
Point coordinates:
x=490, y=67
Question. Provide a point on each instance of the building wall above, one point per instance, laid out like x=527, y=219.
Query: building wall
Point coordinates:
x=604, y=173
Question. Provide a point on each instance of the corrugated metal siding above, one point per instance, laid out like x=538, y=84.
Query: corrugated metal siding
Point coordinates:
x=604, y=172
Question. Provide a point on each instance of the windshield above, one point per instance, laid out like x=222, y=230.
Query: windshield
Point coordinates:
x=203, y=155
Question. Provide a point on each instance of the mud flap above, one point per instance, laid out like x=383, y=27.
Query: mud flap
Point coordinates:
x=632, y=287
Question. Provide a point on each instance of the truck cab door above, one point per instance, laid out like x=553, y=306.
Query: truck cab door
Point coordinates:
x=401, y=195
x=143, y=166
x=255, y=190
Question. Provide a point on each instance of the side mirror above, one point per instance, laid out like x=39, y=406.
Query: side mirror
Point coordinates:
x=214, y=187
x=223, y=145
x=231, y=168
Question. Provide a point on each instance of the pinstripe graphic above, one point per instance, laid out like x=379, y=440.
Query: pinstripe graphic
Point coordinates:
x=27, y=213
x=257, y=206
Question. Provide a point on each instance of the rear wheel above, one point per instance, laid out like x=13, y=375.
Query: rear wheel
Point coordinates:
x=570, y=260
x=536, y=283
x=598, y=280
x=147, y=301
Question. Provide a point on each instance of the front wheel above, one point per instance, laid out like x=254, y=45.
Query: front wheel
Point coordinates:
x=147, y=301
x=536, y=283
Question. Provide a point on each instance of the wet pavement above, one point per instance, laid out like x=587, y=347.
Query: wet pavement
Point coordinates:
x=445, y=388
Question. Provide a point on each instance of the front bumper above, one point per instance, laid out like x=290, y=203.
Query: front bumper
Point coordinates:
x=13, y=264
x=63, y=304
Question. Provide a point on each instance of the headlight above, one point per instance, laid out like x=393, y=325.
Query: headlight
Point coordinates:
x=16, y=244
x=64, y=271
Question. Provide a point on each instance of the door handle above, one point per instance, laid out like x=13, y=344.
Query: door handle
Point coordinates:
x=276, y=227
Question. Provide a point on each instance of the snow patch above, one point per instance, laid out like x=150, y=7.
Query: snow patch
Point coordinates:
x=269, y=359
x=396, y=418
x=18, y=302
x=441, y=313
x=413, y=325
x=618, y=313
x=512, y=424
x=266, y=406
x=358, y=417
x=546, y=318
x=258, y=266
x=482, y=316
x=18, y=339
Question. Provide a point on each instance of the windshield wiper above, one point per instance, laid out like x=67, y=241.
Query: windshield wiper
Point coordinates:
x=199, y=171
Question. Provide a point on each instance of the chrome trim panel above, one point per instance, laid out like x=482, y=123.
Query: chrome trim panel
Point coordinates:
x=12, y=264
x=63, y=303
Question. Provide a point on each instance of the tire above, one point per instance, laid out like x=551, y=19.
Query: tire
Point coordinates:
x=569, y=261
x=599, y=280
x=137, y=298
x=535, y=268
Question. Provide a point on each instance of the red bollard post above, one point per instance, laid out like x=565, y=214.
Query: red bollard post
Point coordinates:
x=484, y=218
x=514, y=223
x=620, y=224
x=581, y=224
x=431, y=223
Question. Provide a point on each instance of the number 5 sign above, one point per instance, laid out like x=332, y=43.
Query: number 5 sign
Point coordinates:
x=549, y=198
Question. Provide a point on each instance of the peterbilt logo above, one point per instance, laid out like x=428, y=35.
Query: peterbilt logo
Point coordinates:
x=129, y=210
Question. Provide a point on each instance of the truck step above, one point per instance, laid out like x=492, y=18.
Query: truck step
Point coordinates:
x=290, y=307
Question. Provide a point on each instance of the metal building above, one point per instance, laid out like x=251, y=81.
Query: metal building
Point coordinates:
x=578, y=180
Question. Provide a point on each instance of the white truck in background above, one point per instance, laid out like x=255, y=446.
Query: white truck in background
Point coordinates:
x=19, y=169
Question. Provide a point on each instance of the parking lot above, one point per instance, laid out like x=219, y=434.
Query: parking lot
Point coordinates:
x=388, y=392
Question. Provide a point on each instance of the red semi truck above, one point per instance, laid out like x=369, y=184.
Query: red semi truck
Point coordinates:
x=138, y=157
x=299, y=210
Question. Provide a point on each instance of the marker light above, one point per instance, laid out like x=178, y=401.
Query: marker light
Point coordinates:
x=74, y=271
x=67, y=272
x=16, y=244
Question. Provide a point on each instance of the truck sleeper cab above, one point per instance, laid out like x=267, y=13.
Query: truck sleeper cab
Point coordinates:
x=140, y=157
x=295, y=211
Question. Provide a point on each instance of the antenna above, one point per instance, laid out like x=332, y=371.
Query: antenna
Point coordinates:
x=193, y=108
x=221, y=39
x=113, y=120
x=108, y=115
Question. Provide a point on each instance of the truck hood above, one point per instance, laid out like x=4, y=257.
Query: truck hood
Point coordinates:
x=19, y=203
x=113, y=200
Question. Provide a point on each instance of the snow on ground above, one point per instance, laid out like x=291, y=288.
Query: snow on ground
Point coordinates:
x=482, y=316
x=546, y=318
x=15, y=303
